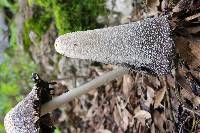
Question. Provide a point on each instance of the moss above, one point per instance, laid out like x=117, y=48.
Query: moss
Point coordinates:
x=77, y=15
x=39, y=23
x=13, y=35
x=68, y=15
x=14, y=74
x=10, y=4
x=61, y=20
x=42, y=3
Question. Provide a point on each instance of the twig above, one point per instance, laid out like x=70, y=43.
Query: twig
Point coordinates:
x=76, y=92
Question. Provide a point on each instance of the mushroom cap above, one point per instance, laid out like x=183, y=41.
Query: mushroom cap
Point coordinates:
x=143, y=45
x=25, y=115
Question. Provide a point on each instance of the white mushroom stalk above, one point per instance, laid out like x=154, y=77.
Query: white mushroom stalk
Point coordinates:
x=76, y=92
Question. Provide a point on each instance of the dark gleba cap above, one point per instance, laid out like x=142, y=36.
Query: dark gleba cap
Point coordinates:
x=144, y=45
x=25, y=116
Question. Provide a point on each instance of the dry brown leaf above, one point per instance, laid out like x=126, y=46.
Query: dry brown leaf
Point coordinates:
x=134, y=100
x=187, y=5
x=76, y=107
x=62, y=117
x=170, y=126
x=151, y=81
x=153, y=130
x=195, y=50
x=125, y=119
x=116, y=116
x=182, y=5
x=123, y=115
x=193, y=17
x=92, y=111
x=159, y=95
x=189, y=50
x=170, y=81
x=196, y=100
x=164, y=5
x=152, y=4
x=187, y=94
x=150, y=96
x=103, y=131
x=60, y=88
x=121, y=102
x=190, y=96
x=180, y=79
x=159, y=120
x=142, y=114
x=127, y=84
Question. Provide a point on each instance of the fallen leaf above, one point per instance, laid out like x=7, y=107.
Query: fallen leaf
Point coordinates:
x=195, y=50
x=103, y=131
x=142, y=114
x=189, y=50
x=116, y=116
x=159, y=121
x=159, y=95
x=164, y=5
x=186, y=5
x=150, y=96
x=182, y=5
x=125, y=119
x=193, y=17
x=151, y=81
x=196, y=100
x=170, y=81
x=92, y=112
x=153, y=130
x=186, y=94
x=127, y=84
x=152, y=4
